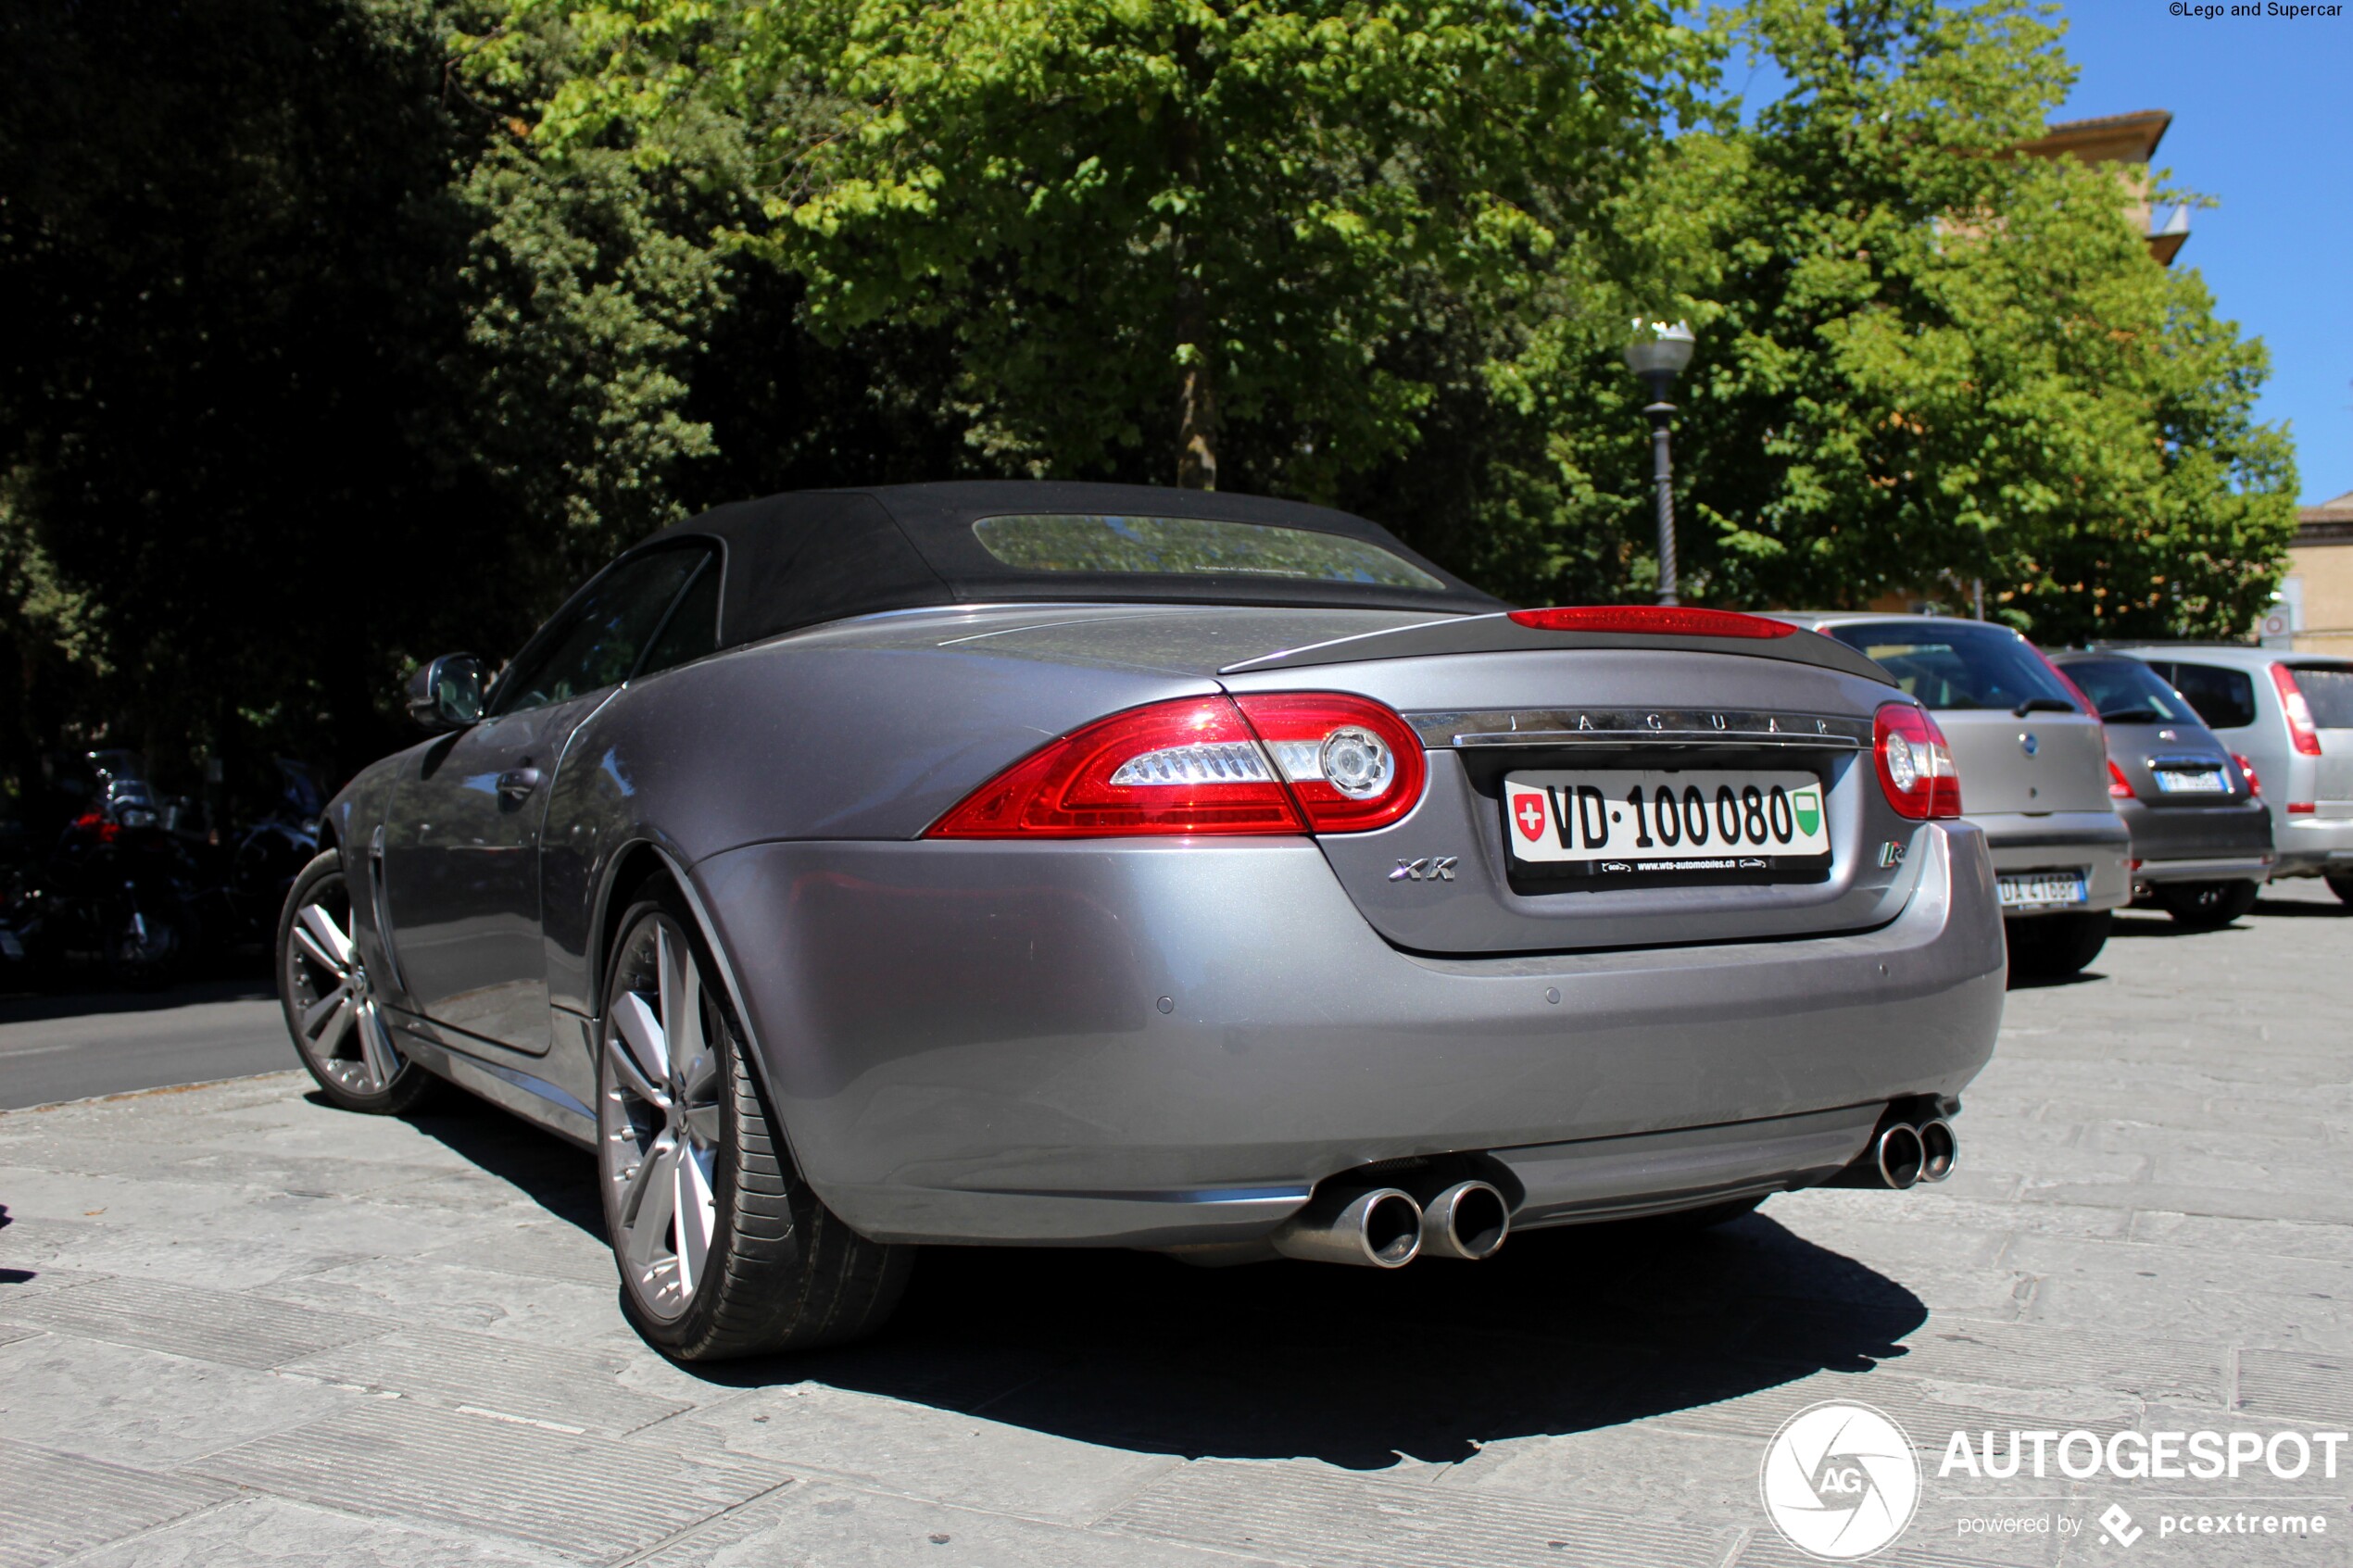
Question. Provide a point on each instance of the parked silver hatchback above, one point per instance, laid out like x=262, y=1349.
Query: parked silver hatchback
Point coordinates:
x=2033, y=764
x=2291, y=715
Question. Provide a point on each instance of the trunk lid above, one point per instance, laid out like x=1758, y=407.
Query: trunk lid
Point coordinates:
x=1445, y=879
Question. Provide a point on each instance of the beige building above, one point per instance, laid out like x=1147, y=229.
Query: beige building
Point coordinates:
x=2319, y=590
x=2130, y=140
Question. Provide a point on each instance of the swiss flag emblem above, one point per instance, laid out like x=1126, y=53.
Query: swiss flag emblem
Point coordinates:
x=1527, y=813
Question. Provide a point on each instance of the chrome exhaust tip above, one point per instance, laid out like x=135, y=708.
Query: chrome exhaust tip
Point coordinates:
x=1940, y=1147
x=1371, y=1227
x=1468, y=1220
x=1900, y=1156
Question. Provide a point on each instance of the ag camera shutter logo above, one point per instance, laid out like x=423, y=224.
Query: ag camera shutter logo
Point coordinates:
x=1839, y=1481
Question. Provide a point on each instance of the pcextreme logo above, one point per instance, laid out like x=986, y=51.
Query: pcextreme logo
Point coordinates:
x=1839, y=1481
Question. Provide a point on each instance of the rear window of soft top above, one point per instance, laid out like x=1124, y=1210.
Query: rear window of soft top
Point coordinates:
x=1101, y=542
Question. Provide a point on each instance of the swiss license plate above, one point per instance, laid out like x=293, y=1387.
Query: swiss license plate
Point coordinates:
x=1629, y=823
x=2189, y=780
x=2038, y=889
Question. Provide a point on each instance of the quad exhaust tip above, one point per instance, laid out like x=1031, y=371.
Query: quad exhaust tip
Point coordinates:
x=1468, y=1220
x=1939, y=1148
x=1901, y=1156
x=1370, y=1227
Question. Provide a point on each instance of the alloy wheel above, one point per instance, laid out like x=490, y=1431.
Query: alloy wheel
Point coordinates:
x=335, y=1010
x=659, y=1117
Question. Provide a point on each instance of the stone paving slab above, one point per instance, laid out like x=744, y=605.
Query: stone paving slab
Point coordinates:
x=238, y=1327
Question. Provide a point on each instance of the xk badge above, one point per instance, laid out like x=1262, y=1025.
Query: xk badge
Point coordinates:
x=1429, y=867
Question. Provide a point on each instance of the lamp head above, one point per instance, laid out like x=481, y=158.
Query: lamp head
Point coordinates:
x=1657, y=353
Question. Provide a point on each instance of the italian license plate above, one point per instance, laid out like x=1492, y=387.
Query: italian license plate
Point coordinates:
x=2039, y=889
x=2185, y=781
x=1637, y=823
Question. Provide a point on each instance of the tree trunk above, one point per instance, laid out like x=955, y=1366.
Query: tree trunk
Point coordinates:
x=1196, y=397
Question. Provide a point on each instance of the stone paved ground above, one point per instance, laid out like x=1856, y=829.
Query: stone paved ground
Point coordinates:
x=237, y=1326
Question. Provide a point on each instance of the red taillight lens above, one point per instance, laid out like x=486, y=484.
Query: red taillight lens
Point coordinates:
x=2303, y=808
x=1299, y=761
x=1915, y=765
x=1189, y=766
x=2247, y=771
x=1351, y=763
x=1670, y=620
x=2300, y=728
x=2118, y=787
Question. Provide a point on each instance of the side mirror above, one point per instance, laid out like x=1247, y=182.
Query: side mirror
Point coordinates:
x=446, y=692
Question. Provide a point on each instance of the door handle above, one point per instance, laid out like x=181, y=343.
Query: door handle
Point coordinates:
x=515, y=785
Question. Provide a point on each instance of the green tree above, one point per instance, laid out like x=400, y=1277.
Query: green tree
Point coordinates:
x=1151, y=230
x=1927, y=361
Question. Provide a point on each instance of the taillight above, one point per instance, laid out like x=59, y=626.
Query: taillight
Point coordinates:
x=1915, y=765
x=2247, y=771
x=1351, y=763
x=1299, y=761
x=1670, y=620
x=2300, y=728
x=2118, y=787
x=2303, y=808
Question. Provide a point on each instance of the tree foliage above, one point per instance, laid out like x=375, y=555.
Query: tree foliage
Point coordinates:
x=361, y=329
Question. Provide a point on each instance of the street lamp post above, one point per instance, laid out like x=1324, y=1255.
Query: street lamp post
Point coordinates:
x=1657, y=353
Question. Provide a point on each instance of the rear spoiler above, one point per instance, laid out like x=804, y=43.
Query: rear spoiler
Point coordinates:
x=1502, y=634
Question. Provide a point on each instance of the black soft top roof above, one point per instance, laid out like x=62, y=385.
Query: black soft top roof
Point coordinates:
x=814, y=556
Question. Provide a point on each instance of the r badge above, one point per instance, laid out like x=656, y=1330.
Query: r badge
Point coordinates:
x=1891, y=853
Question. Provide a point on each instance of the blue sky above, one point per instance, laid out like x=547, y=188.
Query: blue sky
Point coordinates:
x=2259, y=123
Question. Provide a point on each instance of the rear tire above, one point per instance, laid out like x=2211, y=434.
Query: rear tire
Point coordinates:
x=722, y=1248
x=2206, y=906
x=2342, y=886
x=2057, y=947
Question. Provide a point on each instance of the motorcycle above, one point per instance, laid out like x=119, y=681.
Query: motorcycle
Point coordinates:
x=115, y=889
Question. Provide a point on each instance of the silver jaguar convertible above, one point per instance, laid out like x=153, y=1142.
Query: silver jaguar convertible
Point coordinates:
x=1093, y=865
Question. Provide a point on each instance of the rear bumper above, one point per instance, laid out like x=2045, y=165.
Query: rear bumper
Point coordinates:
x=1146, y=1044
x=2221, y=843
x=2313, y=846
x=2096, y=842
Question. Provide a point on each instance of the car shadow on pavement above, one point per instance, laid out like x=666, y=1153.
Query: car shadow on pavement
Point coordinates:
x=2046, y=982
x=558, y=1176
x=1563, y=1332
x=2298, y=910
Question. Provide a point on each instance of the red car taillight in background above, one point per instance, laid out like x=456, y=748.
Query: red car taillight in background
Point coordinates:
x=1282, y=764
x=1915, y=765
x=2247, y=771
x=2118, y=787
x=2300, y=728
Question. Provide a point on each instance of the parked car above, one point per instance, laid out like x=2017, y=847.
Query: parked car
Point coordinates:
x=1098, y=865
x=2034, y=774
x=2201, y=834
x=2291, y=715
